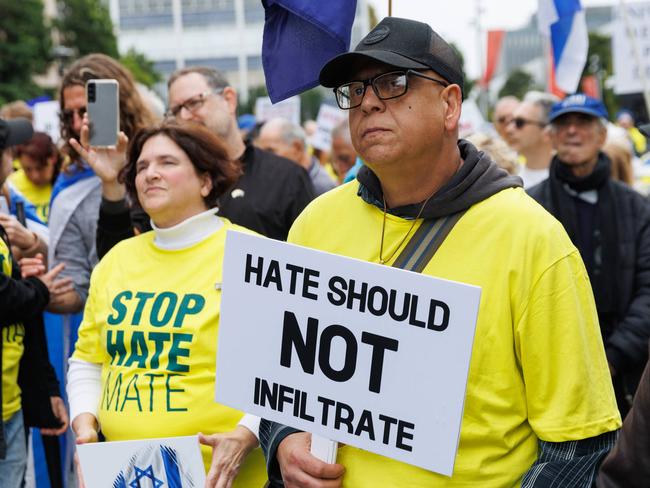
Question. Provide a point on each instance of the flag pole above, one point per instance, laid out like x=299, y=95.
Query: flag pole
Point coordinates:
x=637, y=57
x=390, y=8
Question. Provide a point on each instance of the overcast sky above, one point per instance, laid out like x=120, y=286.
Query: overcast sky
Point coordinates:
x=454, y=19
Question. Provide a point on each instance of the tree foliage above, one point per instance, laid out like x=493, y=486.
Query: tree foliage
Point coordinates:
x=518, y=83
x=25, y=45
x=468, y=84
x=85, y=25
x=600, y=63
x=141, y=68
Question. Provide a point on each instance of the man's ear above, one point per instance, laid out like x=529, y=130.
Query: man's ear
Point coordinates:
x=229, y=94
x=298, y=147
x=453, y=99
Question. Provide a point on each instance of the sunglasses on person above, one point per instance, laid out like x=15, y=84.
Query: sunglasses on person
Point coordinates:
x=192, y=104
x=386, y=86
x=67, y=115
x=520, y=122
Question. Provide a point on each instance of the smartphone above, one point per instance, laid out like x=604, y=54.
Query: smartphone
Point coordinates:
x=103, y=98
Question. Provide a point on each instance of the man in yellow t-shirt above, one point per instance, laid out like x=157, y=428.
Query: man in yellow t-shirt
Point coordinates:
x=539, y=409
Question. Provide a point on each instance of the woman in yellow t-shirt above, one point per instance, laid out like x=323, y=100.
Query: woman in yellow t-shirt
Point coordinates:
x=40, y=162
x=144, y=364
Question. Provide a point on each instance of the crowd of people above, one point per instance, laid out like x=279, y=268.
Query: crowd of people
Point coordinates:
x=541, y=214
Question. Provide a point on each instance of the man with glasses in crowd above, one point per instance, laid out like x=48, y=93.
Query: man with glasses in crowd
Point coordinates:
x=609, y=223
x=269, y=195
x=502, y=115
x=539, y=407
x=528, y=134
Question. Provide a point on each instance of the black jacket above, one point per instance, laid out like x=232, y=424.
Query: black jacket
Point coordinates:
x=628, y=464
x=626, y=336
x=267, y=199
x=23, y=301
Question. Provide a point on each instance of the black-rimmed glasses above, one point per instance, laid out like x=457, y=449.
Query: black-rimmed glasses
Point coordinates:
x=192, y=104
x=386, y=86
x=67, y=114
x=520, y=122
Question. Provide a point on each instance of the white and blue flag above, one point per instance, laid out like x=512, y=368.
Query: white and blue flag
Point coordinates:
x=155, y=466
x=565, y=23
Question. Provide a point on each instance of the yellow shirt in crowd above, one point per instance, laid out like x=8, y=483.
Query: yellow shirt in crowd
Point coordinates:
x=151, y=321
x=39, y=196
x=538, y=368
x=12, y=350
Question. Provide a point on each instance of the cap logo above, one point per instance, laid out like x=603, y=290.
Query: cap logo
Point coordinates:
x=379, y=34
x=577, y=99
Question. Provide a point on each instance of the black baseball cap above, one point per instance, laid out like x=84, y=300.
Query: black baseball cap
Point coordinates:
x=14, y=132
x=402, y=43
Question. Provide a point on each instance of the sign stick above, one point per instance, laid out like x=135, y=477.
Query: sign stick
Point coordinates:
x=637, y=56
x=390, y=8
x=324, y=449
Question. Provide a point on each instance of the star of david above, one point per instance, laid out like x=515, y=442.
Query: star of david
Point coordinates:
x=146, y=473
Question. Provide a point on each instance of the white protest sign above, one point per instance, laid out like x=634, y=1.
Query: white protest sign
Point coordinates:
x=288, y=109
x=174, y=462
x=328, y=118
x=46, y=119
x=631, y=63
x=368, y=355
x=471, y=119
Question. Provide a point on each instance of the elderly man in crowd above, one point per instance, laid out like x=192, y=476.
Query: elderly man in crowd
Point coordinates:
x=283, y=138
x=502, y=115
x=528, y=134
x=344, y=157
x=539, y=408
x=609, y=223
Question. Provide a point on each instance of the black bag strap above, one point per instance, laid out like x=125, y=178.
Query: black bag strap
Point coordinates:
x=425, y=242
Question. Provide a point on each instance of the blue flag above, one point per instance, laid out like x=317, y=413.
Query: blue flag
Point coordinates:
x=300, y=36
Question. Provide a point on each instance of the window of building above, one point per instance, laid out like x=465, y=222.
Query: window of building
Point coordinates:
x=253, y=11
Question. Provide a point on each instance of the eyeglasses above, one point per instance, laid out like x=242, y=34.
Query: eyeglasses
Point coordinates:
x=520, y=122
x=192, y=104
x=386, y=86
x=67, y=115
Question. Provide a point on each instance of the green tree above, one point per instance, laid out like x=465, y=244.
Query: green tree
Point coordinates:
x=468, y=84
x=25, y=45
x=518, y=83
x=600, y=63
x=85, y=25
x=253, y=94
x=141, y=68
x=310, y=102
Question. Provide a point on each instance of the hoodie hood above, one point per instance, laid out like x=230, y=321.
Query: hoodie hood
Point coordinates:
x=478, y=178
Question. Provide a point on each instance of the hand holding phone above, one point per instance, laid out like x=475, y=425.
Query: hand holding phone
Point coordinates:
x=103, y=103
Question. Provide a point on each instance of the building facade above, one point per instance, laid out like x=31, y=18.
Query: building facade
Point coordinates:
x=223, y=34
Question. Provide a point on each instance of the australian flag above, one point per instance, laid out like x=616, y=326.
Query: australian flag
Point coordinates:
x=300, y=36
x=155, y=466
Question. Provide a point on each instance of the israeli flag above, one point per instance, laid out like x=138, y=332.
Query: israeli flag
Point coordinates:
x=154, y=466
x=565, y=23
